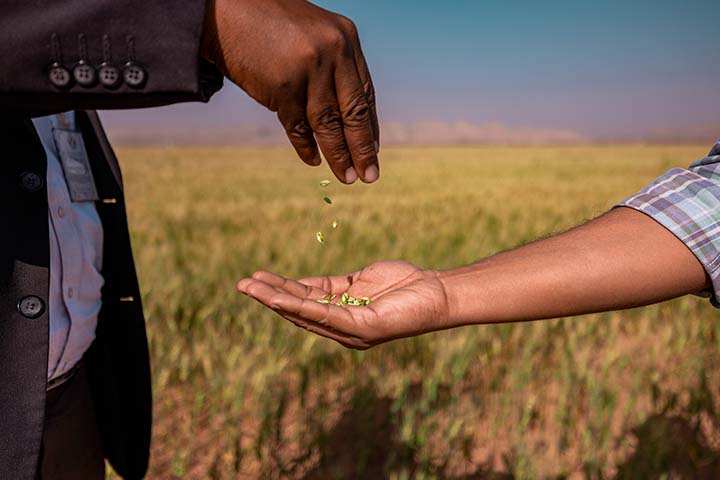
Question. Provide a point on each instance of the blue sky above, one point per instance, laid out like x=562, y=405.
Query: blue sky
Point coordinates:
x=600, y=68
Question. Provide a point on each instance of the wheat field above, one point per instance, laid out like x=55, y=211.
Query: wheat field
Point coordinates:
x=240, y=393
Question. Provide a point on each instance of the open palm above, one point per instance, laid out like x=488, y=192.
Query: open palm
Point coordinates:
x=406, y=301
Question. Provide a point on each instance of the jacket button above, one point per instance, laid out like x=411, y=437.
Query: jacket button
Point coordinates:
x=31, y=182
x=134, y=75
x=84, y=74
x=59, y=76
x=109, y=76
x=31, y=306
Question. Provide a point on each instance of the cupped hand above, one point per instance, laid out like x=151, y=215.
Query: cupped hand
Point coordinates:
x=406, y=301
x=306, y=64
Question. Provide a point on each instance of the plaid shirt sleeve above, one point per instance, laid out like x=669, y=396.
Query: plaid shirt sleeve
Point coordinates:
x=687, y=202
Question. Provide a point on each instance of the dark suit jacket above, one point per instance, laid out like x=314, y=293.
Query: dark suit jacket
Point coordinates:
x=161, y=39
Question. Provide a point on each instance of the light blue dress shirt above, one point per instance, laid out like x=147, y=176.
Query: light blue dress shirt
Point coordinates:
x=76, y=249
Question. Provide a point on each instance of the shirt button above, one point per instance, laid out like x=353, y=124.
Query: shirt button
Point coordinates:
x=134, y=75
x=59, y=76
x=31, y=306
x=70, y=292
x=84, y=74
x=31, y=182
x=61, y=212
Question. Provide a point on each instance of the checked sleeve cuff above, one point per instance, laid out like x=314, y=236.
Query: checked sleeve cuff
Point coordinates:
x=687, y=203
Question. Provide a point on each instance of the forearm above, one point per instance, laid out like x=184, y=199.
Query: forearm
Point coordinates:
x=620, y=260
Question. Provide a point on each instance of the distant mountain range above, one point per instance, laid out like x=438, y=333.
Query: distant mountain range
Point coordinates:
x=393, y=133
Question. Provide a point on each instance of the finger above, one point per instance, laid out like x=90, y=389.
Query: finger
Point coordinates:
x=344, y=340
x=243, y=284
x=298, y=130
x=289, y=285
x=357, y=126
x=351, y=33
x=337, y=318
x=261, y=292
x=326, y=121
x=336, y=284
x=327, y=315
x=368, y=87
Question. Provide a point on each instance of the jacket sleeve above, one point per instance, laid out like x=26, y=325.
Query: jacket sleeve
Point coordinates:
x=58, y=55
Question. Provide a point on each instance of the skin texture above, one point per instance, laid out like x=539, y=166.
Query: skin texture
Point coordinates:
x=306, y=64
x=621, y=260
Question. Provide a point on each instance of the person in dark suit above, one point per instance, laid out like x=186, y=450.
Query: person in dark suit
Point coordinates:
x=75, y=376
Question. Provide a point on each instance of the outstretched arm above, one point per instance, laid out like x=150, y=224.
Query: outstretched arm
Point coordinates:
x=620, y=260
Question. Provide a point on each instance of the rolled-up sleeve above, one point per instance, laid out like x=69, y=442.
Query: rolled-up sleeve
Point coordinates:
x=687, y=203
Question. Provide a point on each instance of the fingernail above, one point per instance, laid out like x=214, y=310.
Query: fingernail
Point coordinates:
x=350, y=175
x=317, y=160
x=371, y=173
x=377, y=147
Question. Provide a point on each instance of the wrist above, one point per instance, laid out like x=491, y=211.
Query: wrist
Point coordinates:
x=463, y=296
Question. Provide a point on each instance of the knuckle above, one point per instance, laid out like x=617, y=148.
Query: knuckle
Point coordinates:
x=358, y=113
x=335, y=40
x=365, y=152
x=311, y=54
x=328, y=119
x=347, y=25
x=341, y=157
x=298, y=130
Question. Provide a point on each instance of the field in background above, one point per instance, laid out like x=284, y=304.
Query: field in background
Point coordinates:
x=240, y=393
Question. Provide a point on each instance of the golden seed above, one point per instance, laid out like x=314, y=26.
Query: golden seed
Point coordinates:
x=324, y=183
x=346, y=300
x=320, y=237
x=334, y=224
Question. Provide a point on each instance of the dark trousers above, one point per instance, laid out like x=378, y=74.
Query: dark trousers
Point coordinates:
x=71, y=446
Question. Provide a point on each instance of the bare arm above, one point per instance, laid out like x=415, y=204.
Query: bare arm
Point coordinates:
x=622, y=259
